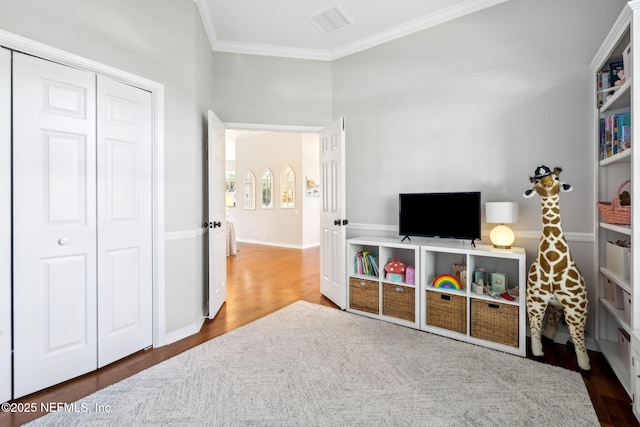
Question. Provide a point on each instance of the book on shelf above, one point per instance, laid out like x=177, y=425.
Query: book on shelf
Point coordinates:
x=615, y=134
x=615, y=142
x=608, y=131
x=365, y=263
x=614, y=68
x=624, y=131
x=373, y=262
x=602, y=140
x=603, y=86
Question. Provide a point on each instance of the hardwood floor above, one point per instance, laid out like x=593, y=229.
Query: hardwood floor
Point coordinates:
x=263, y=279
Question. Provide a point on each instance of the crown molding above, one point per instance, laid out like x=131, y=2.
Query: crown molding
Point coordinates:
x=207, y=18
x=271, y=50
x=428, y=21
x=419, y=24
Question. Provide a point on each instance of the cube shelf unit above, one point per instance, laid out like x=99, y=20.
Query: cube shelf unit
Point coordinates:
x=377, y=297
x=615, y=306
x=465, y=315
x=459, y=314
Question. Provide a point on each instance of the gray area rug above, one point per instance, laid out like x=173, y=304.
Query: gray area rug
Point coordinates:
x=309, y=365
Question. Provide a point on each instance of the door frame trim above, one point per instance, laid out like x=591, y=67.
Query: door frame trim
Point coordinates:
x=31, y=47
x=272, y=128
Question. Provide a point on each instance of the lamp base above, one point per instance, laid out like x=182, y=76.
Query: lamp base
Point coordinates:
x=502, y=237
x=502, y=247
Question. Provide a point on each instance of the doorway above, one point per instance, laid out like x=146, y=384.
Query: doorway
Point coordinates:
x=257, y=160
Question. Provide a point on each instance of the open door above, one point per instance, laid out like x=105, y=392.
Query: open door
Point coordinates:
x=217, y=215
x=332, y=217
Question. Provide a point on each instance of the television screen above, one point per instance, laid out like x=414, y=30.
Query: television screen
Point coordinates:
x=445, y=215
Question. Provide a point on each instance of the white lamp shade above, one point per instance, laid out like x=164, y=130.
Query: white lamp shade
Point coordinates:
x=501, y=212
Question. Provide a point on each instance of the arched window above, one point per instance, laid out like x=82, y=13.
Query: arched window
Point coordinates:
x=267, y=189
x=230, y=188
x=287, y=187
x=249, y=194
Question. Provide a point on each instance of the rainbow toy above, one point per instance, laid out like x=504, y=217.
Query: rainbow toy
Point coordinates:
x=446, y=281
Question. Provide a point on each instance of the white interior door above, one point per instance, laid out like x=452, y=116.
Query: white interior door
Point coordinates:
x=5, y=225
x=124, y=220
x=54, y=223
x=332, y=218
x=217, y=215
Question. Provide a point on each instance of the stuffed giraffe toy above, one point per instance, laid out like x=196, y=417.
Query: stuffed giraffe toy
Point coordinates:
x=554, y=279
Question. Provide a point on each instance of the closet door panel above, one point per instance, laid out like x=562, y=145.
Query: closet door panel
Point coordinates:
x=5, y=225
x=64, y=178
x=124, y=220
x=54, y=229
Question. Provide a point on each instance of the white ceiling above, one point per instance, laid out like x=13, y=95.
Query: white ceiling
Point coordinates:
x=285, y=28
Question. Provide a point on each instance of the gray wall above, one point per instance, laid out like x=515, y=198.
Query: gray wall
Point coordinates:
x=266, y=90
x=477, y=104
x=164, y=41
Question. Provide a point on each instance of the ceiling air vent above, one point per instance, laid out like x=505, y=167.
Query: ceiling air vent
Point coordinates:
x=330, y=20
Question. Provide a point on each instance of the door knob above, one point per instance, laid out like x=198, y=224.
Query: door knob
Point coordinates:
x=337, y=222
x=217, y=224
x=63, y=241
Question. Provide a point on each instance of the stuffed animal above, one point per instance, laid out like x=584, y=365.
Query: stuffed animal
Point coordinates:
x=625, y=198
x=555, y=283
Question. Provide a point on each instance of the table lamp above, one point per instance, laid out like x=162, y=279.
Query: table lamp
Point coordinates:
x=501, y=213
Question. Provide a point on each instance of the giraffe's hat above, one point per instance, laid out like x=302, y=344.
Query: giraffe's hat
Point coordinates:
x=542, y=171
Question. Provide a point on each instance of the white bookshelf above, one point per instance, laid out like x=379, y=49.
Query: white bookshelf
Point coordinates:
x=614, y=321
x=473, y=314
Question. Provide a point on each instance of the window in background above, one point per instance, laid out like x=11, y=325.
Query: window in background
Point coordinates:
x=267, y=189
x=287, y=187
x=249, y=191
x=230, y=188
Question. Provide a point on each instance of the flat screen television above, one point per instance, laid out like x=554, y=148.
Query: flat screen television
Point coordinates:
x=445, y=215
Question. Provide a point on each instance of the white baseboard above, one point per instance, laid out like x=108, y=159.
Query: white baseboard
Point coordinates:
x=277, y=244
x=564, y=337
x=590, y=343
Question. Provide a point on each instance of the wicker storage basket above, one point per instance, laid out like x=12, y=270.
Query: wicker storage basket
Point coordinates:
x=493, y=321
x=364, y=295
x=447, y=311
x=399, y=301
x=613, y=212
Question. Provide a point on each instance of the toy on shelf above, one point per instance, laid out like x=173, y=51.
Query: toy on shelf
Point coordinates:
x=447, y=281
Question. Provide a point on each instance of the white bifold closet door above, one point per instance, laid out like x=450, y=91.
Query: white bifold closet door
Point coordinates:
x=82, y=222
x=124, y=220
